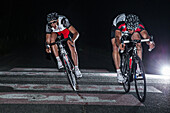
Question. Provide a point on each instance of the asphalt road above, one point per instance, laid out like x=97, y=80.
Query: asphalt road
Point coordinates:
x=45, y=90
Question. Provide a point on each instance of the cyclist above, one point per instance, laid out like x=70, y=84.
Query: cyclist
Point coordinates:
x=136, y=29
x=59, y=25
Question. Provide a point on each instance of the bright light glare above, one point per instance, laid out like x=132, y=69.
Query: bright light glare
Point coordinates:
x=166, y=70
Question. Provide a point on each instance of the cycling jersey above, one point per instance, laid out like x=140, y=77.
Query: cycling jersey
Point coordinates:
x=61, y=28
x=122, y=27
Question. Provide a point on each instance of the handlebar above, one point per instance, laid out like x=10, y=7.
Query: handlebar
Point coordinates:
x=60, y=41
x=137, y=41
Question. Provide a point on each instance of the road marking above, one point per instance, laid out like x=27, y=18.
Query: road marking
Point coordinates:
x=8, y=73
x=69, y=98
x=56, y=70
x=62, y=87
x=87, y=77
x=35, y=69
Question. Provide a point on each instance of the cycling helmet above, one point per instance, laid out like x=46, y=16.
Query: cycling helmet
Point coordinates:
x=52, y=16
x=119, y=18
x=132, y=21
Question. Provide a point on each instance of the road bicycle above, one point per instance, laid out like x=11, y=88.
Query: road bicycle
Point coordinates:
x=132, y=67
x=68, y=64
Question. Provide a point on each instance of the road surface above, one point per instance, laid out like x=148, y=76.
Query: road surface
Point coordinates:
x=45, y=90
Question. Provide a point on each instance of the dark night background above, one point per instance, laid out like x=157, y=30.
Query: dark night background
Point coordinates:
x=22, y=25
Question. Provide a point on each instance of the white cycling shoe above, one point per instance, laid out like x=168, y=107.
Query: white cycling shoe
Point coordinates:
x=60, y=65
x=120, y=78
x=78, y=73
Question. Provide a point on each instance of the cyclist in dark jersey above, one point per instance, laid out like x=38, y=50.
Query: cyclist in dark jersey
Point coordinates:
x=136, y=29
x=59, y=25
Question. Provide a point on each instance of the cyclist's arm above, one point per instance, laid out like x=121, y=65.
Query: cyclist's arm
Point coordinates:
x=145, y=35
x=47, y=43
x=118, y=36
x=143, y=31
x=48, y=36
x=74, y=32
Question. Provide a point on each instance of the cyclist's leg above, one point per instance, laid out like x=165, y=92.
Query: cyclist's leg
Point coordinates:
x=115, y=54
x=136, y=36
x=116, y=58
x=74, y=56
x=55, y=49
x=73, y=53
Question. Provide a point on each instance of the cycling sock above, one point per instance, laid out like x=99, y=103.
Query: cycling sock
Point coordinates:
x=138, y=66
x=76, y=67
x=58, y=59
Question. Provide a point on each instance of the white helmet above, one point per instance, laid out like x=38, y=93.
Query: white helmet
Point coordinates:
x=119, y=18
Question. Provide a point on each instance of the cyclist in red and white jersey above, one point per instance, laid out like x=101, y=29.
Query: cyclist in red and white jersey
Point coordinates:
x=136, y=29
x=59, y=25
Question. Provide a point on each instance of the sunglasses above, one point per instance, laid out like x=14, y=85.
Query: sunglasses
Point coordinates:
x=52, y=22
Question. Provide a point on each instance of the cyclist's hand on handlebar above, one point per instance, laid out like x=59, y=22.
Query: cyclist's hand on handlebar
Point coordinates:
x=151, y=46
x=122, y=47
x=48, y=50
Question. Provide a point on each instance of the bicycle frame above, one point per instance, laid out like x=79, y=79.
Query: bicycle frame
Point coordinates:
x=129, y=62
x=63, y=52
x=132, y=51
x=69, y=66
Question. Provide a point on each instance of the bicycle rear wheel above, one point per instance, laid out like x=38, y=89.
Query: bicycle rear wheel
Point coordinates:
x=125, y=72
x=140, y=80
x=69, y=67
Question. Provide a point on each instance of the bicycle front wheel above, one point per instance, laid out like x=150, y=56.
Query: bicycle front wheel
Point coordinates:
x=140, y=80
x=125, y=72
x=69, y=70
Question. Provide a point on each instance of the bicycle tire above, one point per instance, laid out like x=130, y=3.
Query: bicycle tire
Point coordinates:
x=125, y=72
x=140, y=80
x=70, y=74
